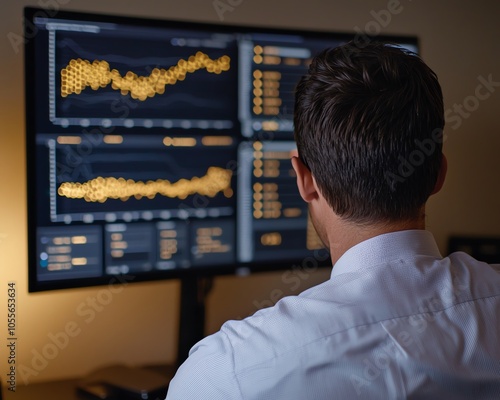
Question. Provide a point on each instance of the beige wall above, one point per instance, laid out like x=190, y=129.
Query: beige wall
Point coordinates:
x=460, y=41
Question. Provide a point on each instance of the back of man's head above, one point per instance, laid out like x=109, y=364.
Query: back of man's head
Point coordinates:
x=368, y=125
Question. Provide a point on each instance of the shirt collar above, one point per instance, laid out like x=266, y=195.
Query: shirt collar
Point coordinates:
x=385, y=248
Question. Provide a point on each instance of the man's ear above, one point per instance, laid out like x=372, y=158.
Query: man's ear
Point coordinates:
x=305, y=180
x=441, y=176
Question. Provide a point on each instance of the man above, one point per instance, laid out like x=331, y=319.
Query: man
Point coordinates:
x=396, y=320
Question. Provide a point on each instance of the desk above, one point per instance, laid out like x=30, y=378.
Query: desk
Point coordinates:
x=64, y=389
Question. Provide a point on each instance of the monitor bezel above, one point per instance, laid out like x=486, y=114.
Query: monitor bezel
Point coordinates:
x=34, y=285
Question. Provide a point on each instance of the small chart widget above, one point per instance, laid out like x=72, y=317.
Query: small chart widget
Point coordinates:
x=72, y=253
x=273, y=220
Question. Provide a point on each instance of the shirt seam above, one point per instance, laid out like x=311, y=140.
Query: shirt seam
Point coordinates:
x=234, y=364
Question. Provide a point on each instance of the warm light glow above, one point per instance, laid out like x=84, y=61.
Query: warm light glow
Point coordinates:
x=270, y=126
x=271, y=60
x=292, y=212
x=270, y=101
x=117, y=253
x=271, y=187
x=273, y=50
x=271, y=84
x=59, y=266
x=69, y=140
x=168, y=244
x=119, y=245
x=277, y=155
x=113, y=139
x=79, y=239
x=268, y=196
x=257, y=74
x=271, y=163
x=271, y=92
x=79, y=261
x=168, y=234
x=61, y=259
x=272, y=75
x=271, y=168
x=179, y=141
x=59, y=249
x=61, y=240
x=292, y=61
x=206, y=241
x=271, y=173
x=271, y=239
x=271, y=110
x=257, y=59
x=215, y=231
x=217, y=140
x=272, y=214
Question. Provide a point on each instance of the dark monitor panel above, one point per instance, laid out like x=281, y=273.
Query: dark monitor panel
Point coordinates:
x=483, y=248
x=161, y=148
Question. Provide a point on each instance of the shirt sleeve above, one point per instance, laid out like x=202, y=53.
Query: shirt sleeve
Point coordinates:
x=208, y=372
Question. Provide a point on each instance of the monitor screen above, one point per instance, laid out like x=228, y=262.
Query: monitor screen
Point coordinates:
x=162, y=148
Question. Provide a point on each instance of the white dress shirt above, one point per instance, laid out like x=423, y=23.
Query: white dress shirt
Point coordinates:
x=396, y=320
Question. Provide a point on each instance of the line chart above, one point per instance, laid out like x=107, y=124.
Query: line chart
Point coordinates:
x=79, y=74
x=101, y=189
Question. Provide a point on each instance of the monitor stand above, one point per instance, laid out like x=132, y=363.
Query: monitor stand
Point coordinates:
x=128, y=382
x=194, y=291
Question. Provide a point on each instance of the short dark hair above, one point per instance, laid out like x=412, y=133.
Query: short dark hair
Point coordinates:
x=368, y=124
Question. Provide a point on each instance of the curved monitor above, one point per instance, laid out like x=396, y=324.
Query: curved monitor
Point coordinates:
x=159, y=148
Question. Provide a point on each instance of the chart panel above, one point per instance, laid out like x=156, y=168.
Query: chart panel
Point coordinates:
x=139, y=177
x=273, y=220
x=149, y=77
x=271, y=66
x=69, y=253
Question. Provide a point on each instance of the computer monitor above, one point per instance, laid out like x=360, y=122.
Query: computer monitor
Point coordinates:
x=160, y=149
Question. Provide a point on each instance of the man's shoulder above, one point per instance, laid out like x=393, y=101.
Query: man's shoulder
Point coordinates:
x=399, y=311
x=294, y=322
x=361, y=299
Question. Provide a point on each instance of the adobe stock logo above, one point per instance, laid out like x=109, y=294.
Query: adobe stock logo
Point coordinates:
x=454, y=116
x=423, y=148
x=223, y=6
x=459, y=112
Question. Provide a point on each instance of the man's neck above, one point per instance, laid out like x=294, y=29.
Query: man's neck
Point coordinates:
x=344, y=234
